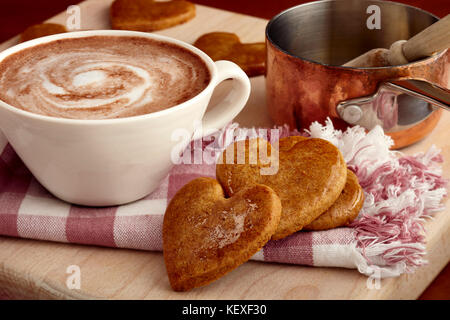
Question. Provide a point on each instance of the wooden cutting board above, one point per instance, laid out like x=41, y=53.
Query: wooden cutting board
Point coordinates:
x=37, y=269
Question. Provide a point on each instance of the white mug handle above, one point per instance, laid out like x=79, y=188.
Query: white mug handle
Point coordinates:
x=232, y=104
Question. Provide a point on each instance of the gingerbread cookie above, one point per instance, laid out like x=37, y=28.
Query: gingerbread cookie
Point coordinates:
x=346, y=207
x=287, y=143
x=150, y=15
x=251, y=57
x=41, y=30
x=311, y=175
x=206, y=235
x=344, y=210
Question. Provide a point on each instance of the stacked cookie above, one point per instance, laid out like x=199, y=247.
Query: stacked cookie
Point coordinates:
x=262, y=192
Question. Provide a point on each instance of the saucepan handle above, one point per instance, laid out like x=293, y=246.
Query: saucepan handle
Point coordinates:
x=426, y=80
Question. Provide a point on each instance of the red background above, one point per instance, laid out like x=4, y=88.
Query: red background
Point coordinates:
x=16, y=15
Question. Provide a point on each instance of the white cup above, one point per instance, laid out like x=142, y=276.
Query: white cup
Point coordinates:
x=115, y=161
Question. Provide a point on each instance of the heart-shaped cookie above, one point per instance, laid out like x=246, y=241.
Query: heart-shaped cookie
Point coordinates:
x=346, y=207
x=344, y=210
x=150, y=15
x=41, y=30
x=311, y=175
x=251, y=57
x=206, y=235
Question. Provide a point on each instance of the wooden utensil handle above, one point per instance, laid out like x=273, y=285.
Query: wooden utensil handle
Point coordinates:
x=431, y=40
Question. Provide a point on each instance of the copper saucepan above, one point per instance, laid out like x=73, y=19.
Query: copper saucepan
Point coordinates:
x=305, y=82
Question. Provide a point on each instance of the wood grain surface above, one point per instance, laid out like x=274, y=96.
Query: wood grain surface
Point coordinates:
x=37, y=269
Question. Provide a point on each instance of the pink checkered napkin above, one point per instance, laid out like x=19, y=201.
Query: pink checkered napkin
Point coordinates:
x=386, y=240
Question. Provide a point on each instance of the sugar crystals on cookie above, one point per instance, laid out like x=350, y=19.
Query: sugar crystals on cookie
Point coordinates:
x=206, y=235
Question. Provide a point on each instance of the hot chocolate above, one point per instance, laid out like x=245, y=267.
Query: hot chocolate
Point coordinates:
x=101, y=77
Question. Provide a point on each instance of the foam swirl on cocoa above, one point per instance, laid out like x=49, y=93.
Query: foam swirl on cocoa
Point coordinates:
x=101, y=77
